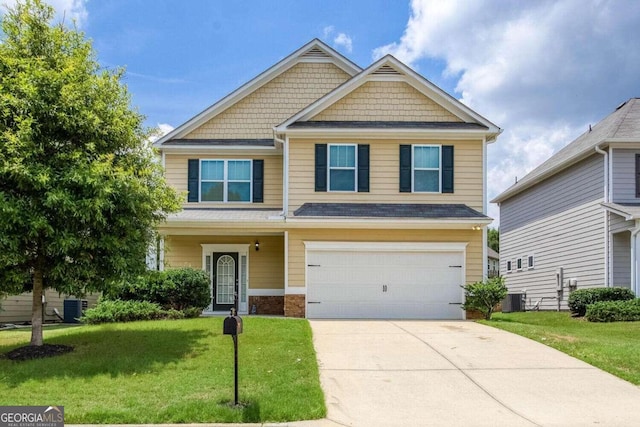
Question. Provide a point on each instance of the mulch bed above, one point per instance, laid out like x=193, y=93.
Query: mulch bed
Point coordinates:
x=37, y=352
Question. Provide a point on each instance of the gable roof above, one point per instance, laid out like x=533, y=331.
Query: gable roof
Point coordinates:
x=314, y=51
x=390, y=68
x=623, y=125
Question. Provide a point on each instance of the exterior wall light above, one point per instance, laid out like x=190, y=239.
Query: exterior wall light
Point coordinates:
x=476, y=228
x=257, y=246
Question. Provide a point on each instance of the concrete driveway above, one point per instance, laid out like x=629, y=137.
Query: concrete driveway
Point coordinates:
x=423, y=373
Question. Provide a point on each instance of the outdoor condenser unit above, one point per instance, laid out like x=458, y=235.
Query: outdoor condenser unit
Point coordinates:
x=513, y=302
x=73, y=309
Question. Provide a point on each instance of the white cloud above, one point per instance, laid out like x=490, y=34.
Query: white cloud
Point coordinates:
x=342, y=39
x=326, y=31
x=67, y=11
x=161, y=130
x=541, y=70
x=345, y=41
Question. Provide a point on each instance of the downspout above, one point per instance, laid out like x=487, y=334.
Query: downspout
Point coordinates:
x=485, y=209
x=285, y=172
x=634, y=261
x=606, y=214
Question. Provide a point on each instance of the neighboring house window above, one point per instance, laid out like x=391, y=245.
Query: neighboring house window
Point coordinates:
x=519, y=264
x=530, y=262
x=426, y=168
x=509, y=269
x=225, y=180
x=637, y=175
x=342, y=168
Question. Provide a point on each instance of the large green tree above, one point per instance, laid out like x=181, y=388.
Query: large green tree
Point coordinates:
x=80, y=189
x=493, y=239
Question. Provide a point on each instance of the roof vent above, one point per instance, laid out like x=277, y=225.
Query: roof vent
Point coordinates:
x=387, y=70
x=315, y=52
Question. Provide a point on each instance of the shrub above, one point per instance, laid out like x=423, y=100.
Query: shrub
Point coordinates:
x=614, y=311
x=580, y=299
x=108, y=311
x=484, y=296
x=192, y=288
x=177, y=289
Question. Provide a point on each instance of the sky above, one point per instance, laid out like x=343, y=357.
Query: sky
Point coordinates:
x=543, y=71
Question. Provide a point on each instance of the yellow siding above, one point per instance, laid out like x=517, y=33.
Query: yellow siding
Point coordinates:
x=297, y=265
x=17, y=308
x=384, y=180
x=176, y=175
x=266, y=266
x=256, y=115
x=386, y=101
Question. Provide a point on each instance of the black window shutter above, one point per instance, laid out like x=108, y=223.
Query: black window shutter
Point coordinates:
x=363, y=168
x=321, y=167
x=258, y=181
x=193, y=175
x=637, y=175
x=447, y=168
x=405, y=169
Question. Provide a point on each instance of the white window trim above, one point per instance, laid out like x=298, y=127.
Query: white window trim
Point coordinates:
x=509, y=266
x=533, y=262
x=354, y=168
x=225, y=182
x=413, y=168
x=519, y=261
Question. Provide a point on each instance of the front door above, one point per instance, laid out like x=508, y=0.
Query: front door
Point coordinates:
x=225, y=280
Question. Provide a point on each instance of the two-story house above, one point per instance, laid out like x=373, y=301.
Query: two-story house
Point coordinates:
x=324, y=190
x=573, y=222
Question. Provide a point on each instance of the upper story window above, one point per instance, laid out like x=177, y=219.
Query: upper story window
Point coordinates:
x=342, y=167
x=225, y=180
x=426, y=168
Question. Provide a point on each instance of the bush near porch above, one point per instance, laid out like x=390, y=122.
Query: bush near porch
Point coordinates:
x=178, y=371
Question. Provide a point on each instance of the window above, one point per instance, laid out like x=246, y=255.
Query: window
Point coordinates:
x=342, y=168
x=225, y=180
x=530, y=262
x=519, y=263
x=509, y=267
x=426, y=168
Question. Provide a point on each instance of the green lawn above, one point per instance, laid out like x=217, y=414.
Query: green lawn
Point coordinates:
x=613, y=347
x=178, y=371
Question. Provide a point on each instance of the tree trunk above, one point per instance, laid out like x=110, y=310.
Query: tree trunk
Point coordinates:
x=36, y=309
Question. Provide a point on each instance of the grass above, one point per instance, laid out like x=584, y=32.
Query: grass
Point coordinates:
x=612, y=347
x=175, y=371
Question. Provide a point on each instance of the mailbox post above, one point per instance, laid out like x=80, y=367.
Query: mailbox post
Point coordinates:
x=233, y=326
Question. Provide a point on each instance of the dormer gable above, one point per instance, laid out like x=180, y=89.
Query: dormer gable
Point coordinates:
x=251, y=111
x=385, y=94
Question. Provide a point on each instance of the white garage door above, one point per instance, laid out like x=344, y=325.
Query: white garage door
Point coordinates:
x=384, y=284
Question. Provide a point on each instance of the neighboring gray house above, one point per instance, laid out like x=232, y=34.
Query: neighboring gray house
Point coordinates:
x=573, y=222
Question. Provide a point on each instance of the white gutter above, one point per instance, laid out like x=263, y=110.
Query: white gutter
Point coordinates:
x=605, y=215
